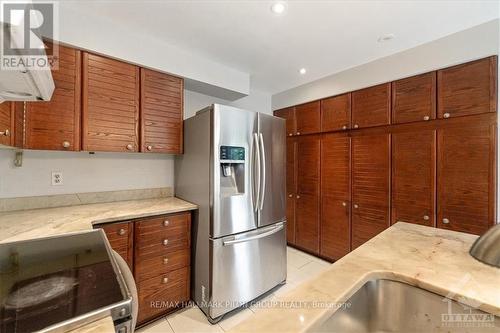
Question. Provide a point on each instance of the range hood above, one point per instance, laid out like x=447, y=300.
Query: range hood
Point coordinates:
x=23, y=83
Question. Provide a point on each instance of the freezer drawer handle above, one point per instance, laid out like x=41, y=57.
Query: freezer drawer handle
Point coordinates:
x=262, y=235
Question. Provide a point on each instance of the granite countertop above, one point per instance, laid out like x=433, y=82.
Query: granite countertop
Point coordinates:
x=35, y=223
x=430, y=258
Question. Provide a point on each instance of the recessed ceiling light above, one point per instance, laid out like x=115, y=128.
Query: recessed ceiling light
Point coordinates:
x=279, y=7
x=385, y=38
x=302, y=71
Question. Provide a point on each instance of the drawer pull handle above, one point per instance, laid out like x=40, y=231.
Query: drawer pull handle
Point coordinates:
x=66, y=144
x=121, y=232
x=446, y=115
x=356, y=125
x=149, y=148
x=165, y=242
x=344, y=203
x=166, y=223
x=165, y=260
x=427, y=118
x=426, y=217
x=344, y=127
x=446, y=221
x=356, y=206
x=165, y=280
x=130, y=147
x=5, y=133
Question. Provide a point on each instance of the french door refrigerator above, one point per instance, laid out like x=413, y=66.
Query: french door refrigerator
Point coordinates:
x=233, y=168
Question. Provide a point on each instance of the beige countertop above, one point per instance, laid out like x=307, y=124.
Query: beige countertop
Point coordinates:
x=433, y=259
x=29, y=224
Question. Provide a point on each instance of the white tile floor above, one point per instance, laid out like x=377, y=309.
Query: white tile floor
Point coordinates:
x=300, y=267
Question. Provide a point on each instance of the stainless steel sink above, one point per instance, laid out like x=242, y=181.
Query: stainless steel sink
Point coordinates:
x=391, y=306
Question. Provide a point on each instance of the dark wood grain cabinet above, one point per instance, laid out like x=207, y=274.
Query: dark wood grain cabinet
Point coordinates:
x=414, y=99
x=110, y=105
x=335, y=235
x=55, y=125
x=308, y=193
x=468, y=89
x=413, y=177
x=371, y=177
x=466, y=172
x=336, y=113
x=372, y=106
x=291, y=187
x=158, y=251
x=308, y=118
x=7, y=123
x=161, y=112
x=289, y=115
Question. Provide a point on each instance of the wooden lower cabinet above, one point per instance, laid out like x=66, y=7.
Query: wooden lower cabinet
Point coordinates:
x=371, y=177
x=291, y=188
x=413, y=177
x=307, y=222
x=161, y=250
x=466, y=173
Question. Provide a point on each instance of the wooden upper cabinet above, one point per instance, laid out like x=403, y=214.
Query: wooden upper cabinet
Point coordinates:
x=466, y=173
x=372, y=106
x=371, y=177
x=466, y=89
x=414, y=98
x=110, y=120
x=55, y=124
x=289, y=115
x=413, y=177
x=336, y=113
x=307, y=198
x=161, y=112
x=335, y=238
x=7, y=123
x=308, y=118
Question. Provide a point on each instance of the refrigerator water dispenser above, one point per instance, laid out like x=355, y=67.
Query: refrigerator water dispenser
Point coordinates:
x=232, y=170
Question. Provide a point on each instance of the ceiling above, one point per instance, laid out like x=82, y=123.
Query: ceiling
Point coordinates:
x=324, y=37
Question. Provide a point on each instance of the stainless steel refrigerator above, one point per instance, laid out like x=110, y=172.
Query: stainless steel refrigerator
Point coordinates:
x=233, y=168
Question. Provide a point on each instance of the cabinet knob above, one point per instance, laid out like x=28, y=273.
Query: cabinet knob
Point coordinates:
x=165, y=280
x=121, y=232
x=344, y=203
x=446, y=221
x=446, y=115
x=165, y=242
x=130, y=147
x=66, y=144
x=356, y=125
x=290, y=134
x=298, y=197
x=165, y=260
x=166, y=223
x=290, y=195
x=356, y=206
x=149, y=148
x=5, y=133
x=344, y=127
x=426, y=217
x=298, y=133
x=427, y=117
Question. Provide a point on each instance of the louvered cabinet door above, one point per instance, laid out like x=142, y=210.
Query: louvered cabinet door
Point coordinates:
x=161, y=112
x=110, y=105
x=336, y=113
x=291, y=187
x=307, y=198
x=413, y=177
x=289, y=115
x=335, y=239
x=414, y=98
x=55, y=124
x=6, y=123
x=467, y=89
x=308, y=118
x=466, y=177
x=371, y=106
x=371, y=174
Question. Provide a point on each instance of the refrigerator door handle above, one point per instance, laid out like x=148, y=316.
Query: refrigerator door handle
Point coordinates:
x=257, y=152
x=261, y=140
x=251, y=238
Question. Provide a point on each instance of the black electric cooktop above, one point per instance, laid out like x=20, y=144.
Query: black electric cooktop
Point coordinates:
x=49, y=281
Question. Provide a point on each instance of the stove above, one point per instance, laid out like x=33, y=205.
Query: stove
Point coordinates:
x=59, y=283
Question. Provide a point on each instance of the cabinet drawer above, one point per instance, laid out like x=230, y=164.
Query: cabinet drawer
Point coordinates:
x=160, y=294
x=173, y=224
x=160, y=265
x=120, y=236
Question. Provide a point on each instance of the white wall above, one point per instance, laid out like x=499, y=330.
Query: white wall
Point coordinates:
x=83, y=172
x=463, y=46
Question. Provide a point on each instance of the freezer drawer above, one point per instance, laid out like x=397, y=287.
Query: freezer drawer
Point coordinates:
x=245, y=266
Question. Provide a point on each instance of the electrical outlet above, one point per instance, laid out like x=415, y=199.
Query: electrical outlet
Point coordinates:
x=57, y=178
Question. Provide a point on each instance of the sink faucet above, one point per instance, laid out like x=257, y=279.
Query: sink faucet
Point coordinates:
x=487, y=247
